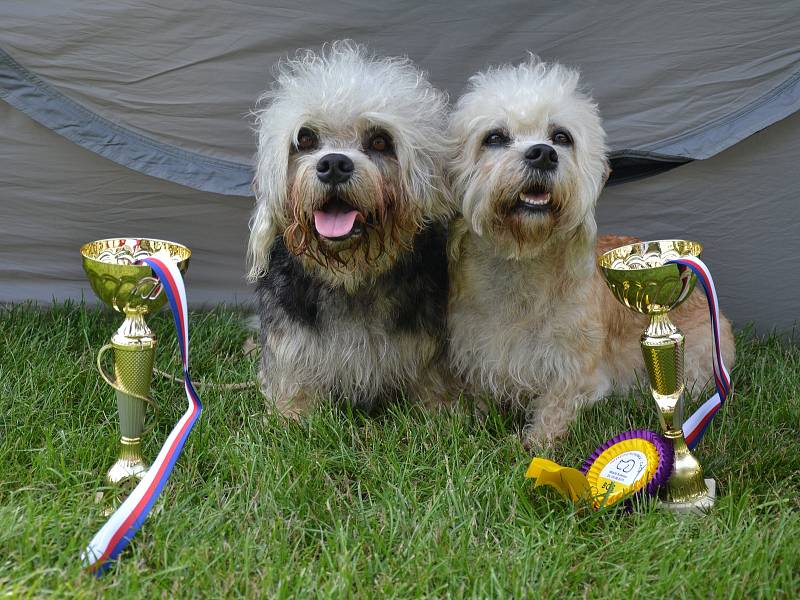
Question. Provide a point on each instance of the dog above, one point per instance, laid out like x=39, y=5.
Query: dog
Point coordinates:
x=531, y=320
x=348, y=238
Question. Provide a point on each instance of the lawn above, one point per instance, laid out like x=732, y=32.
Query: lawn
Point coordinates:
x=406, y=504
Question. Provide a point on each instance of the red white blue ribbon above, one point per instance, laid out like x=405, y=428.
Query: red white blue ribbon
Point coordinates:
x=120, y=528
x=696, y=425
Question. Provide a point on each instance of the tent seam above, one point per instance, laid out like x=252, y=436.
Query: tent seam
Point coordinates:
x=172, y=150
x=723, y=120
x=97, y=134
x=82, y=117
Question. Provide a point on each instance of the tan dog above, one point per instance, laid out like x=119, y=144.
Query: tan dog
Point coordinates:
x=531, y=320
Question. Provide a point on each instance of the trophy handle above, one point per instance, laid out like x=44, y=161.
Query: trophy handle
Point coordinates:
x=111, y=380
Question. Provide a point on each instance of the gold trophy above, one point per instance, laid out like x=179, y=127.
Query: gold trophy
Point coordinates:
x=641, y=279
x=132, y=290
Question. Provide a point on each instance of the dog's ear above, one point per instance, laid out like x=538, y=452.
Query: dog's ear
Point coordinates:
x=455, y=239
x=423, y=180
x=270, y=187
x=263, y=231
x=445, y=201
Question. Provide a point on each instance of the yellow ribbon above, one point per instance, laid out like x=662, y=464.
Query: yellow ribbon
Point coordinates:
x=570, y=483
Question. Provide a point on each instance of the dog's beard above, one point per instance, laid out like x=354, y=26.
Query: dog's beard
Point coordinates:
x=518, y=209
x=529, y=211
x=365, y=218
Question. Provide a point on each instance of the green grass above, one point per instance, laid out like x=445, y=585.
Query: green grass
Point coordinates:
x=403, y=505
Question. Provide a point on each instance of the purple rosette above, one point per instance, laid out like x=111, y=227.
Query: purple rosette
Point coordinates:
x=663, y=447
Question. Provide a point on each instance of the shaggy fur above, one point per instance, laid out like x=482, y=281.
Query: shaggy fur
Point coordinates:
x=531, y=320
x=359, y=317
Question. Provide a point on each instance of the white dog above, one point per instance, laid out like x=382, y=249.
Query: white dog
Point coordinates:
x=348, y=237
x=531, y=320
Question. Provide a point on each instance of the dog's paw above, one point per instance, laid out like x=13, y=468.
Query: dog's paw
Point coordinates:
x=541, y=436
x=293, y=408
x=480, y=408
x=250, y=346
x=535, y=440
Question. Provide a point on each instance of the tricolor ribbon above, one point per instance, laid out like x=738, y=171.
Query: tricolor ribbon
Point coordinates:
x=123, y=524
x=695, y=426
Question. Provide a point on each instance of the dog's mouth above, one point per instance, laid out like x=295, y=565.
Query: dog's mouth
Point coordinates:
x=535, y=200
x=336, y=220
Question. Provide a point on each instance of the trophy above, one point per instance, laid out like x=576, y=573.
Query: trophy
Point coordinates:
x=131, y=289
x=641, y=278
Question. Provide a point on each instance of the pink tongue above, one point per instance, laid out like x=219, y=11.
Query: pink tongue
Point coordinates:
x=334, y=224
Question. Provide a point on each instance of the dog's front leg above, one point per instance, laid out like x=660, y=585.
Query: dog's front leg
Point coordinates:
x=288, y=397
x=435, y=389
x=548, y=417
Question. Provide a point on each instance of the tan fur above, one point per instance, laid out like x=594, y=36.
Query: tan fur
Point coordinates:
x=535, y=326
x=557, y=346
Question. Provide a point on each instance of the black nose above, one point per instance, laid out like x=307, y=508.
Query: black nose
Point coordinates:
x=334, y=168
x=541, y=156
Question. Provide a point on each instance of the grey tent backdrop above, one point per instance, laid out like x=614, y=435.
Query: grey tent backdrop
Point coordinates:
x=130, y=118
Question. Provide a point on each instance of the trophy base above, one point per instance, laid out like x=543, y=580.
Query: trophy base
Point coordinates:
x=701, y=506
x=125, y=470
x=121, y=478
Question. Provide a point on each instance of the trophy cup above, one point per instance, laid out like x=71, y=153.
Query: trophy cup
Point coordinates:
x=131, y=289
x=641, y=278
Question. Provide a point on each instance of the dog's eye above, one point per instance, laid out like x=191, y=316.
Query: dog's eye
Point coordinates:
x=306, y=139
x=562, y=137
x=380, y=142
x=496, y=137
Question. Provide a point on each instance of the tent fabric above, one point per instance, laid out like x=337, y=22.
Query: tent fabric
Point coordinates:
x=741, y=204
x=165, y=93
x=166, y=90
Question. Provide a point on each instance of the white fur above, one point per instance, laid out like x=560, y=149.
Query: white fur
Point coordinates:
x=526, y=99
x=341, y=91
x=350, y=356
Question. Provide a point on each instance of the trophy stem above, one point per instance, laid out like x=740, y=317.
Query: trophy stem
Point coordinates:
x=134, y=348
x=662, y=347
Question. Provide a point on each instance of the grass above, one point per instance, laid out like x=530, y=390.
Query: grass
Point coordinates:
x=403, y=505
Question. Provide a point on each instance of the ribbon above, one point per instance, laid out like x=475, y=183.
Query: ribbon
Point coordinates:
x=123, y=524
x=695, y=426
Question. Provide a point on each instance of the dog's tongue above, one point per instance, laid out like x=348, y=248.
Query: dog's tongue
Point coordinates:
x=334, y=224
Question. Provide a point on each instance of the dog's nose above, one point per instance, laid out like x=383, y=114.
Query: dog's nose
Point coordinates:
x=541, y=156
x=334, y=168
